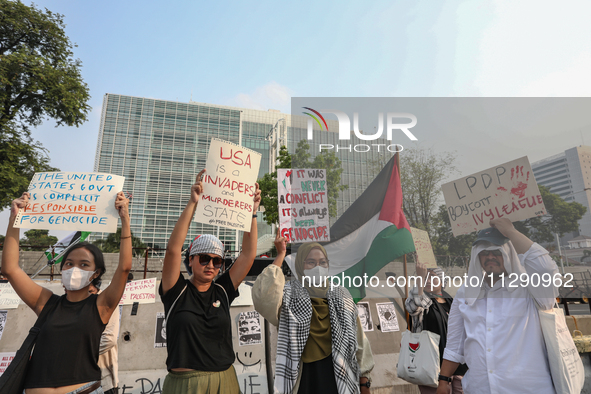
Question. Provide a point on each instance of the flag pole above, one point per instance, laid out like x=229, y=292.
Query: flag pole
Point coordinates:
x=397, y=159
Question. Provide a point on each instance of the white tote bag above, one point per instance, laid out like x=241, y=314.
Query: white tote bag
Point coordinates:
x=418, y=362
x=566, y=367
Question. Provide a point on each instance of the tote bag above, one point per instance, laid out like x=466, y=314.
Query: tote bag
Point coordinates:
x=566, y=367
x=418, y=362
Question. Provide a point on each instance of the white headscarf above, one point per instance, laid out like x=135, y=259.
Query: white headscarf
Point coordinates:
x=511, y=263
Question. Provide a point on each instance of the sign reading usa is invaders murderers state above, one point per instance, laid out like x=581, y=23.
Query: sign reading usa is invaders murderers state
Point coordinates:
x=228, y=186
x=508, y=190
x=303, y=205
x=75, y=201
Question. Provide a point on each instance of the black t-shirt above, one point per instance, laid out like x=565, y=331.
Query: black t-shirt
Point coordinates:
x=67, y=348
x=199, y=330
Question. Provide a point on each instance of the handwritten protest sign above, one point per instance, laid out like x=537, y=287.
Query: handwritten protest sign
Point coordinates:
x=303, y=205
x=5, y=360
x=508, y=190
x=8, y=297
x=423, y=247
x=80, y=201
x=140, y=291
x=228, y=186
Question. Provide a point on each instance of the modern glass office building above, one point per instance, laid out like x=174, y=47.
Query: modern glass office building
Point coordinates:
x=160, y=146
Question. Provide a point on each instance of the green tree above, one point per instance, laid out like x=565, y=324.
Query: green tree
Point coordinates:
x=443, y=240
x=562, y=218
x=39, y=78
x=113, y=240
x=301, y=159
x=38, y=239
x=421, y=174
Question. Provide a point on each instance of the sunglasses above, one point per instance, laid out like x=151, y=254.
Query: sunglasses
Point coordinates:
x=496, y=253
x=204, y=260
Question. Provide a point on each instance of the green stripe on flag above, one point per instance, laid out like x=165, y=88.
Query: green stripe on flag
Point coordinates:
x=388, y=245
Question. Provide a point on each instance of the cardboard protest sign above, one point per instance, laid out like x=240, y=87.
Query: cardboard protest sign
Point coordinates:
x=508, y=190
x=228, y=186
x=423, y=247
x=303, y=205
x=79, y=201
x=8, y=297
x=141, y=291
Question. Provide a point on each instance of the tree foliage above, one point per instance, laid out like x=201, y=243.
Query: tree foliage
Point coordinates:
x=421, y=174
x=113, y=240
x=562, y=218
x=301, y=159
x=38, y=239
x=443, y=240
x=38, y=78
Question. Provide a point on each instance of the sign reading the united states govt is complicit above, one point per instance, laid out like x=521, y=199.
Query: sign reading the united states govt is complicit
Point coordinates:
x=75, y=201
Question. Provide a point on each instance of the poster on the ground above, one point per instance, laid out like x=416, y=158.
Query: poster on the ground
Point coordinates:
x=423, y=247
x=160, y=335
x=8, y=297
x=507, y=190
x=228, y=186
x=364, y=312
x=303, y=205
x=5, y=360
x=249, y=328
x=74, y=201
x=142, y=291
x=3, y=318
x=388, y=319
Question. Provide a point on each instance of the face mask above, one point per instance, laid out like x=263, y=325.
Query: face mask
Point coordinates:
x=316, y=276
x=76, y=279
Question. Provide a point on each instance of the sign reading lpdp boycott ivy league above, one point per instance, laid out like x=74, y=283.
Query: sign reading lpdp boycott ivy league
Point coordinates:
x=508, y=190
x=228, y=186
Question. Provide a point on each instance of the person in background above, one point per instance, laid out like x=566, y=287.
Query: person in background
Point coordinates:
x=199, y=331
x=429, y=306
x=321, y=346
x=108, y=351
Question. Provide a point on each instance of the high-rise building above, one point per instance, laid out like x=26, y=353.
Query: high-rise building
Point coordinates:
x=159, y=146
x=568, y=174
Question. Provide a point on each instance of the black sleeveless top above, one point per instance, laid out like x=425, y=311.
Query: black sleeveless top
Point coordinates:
x=67, y=348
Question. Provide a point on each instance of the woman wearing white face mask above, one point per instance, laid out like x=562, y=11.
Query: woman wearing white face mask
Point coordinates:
x=321, y=346
x=66, y=351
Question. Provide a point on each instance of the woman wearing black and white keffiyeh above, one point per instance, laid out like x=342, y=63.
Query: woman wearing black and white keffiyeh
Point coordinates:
x=321, y=347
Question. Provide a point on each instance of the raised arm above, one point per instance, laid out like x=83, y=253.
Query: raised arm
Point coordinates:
x=30, y=292
x=109, y=299
x=172, y=258
x=249, y=246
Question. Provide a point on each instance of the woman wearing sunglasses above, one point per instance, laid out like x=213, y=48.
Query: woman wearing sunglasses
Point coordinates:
x=199, y=331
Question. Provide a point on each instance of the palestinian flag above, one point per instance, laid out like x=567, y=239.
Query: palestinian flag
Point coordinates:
x=63, y=245
x=372, y=232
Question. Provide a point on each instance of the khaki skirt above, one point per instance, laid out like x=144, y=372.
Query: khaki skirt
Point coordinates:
x=201, y=382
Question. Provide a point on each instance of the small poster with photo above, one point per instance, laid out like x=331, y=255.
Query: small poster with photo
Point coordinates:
x=388, y=319
x=160, y=336
x=365, y=316
x=249, y=328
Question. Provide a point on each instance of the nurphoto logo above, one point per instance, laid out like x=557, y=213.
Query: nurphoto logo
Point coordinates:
x=392, y=124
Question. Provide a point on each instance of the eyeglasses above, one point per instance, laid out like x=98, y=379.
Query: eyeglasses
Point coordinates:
x=309, y=264
x=204, y=260
x=496, y=253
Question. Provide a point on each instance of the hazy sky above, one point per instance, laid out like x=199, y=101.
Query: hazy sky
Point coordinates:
x=260, y=54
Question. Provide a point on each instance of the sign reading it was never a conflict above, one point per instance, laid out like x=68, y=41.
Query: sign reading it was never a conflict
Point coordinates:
x=508, y=190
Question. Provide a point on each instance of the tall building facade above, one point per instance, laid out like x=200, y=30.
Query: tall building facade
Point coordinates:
x=159, y=146
x=568, y=174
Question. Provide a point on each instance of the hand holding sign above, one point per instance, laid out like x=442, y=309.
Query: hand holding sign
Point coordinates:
x=197, y=187
x=20, y=203
x=257, y=198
